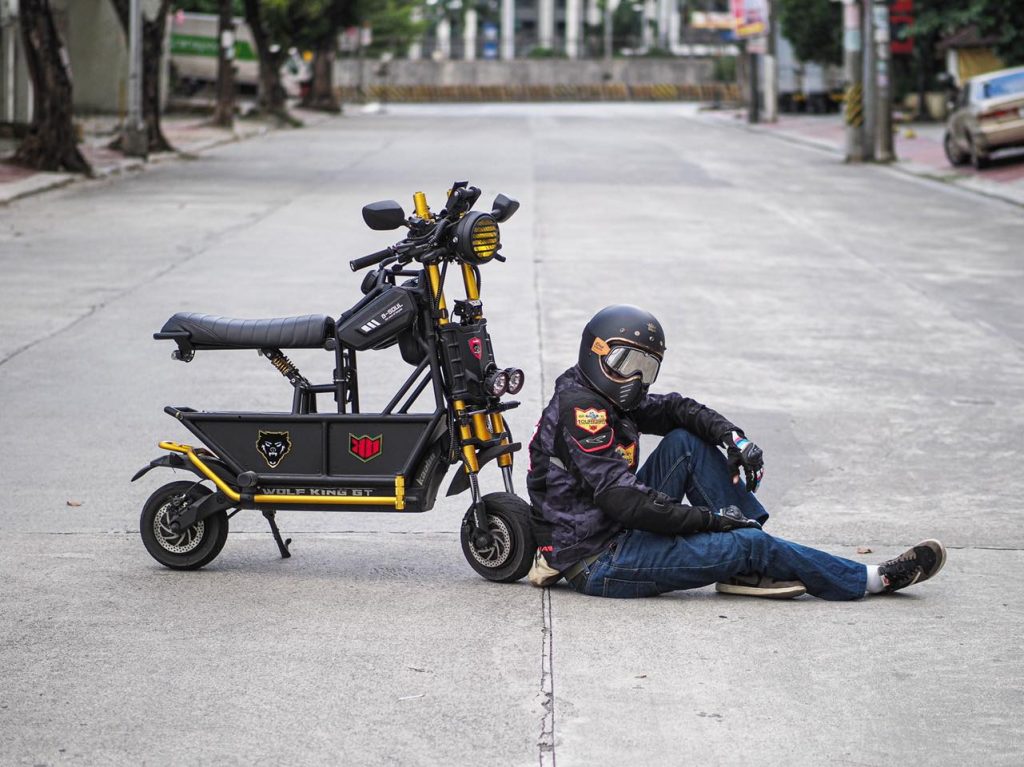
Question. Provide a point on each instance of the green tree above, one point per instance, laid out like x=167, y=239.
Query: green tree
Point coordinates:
x=814, y=28
x=999, y=19
x=392, y=24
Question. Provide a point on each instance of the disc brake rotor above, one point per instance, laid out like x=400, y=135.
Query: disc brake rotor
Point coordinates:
x=182, y=541
x=499, y=551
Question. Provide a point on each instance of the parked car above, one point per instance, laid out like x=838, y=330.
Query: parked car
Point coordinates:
x=987, y=115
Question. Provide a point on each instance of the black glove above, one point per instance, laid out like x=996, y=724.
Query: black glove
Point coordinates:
x=743, y=452
x=729, y=518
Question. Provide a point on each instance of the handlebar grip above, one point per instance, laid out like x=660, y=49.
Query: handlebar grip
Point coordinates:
x=370, y=260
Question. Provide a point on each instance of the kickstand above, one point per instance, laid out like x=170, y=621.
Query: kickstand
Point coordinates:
x=282, y=544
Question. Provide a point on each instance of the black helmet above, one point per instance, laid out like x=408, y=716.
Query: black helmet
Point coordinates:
x=621, y=352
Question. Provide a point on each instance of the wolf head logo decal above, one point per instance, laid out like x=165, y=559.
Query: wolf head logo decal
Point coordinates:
x=273, y=446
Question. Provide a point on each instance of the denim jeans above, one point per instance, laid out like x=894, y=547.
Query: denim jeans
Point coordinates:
x=642, y=564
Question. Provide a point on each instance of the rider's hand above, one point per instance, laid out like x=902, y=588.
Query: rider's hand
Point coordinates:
x=744, y=453
x=729, y=518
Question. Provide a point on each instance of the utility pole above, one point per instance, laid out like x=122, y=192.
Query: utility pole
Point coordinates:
x=754, y=108
x=853, y=70
x=771, y=76
x=224, y=114
x=883, y=113
x=135, y=138
x=608, y=11
x=870, y=80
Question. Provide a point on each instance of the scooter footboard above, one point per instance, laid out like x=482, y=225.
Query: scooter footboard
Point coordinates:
x=346, y=462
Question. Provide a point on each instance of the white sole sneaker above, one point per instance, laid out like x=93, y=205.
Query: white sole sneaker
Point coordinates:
x=761, y=586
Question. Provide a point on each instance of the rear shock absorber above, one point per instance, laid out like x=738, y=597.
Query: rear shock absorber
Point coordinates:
x=285, y=366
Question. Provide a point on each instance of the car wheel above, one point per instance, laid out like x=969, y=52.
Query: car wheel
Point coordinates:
x=953, y=154
x=979, y=159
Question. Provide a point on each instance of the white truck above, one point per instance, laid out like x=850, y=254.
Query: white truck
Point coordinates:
x=193, y=47
x=805, y=86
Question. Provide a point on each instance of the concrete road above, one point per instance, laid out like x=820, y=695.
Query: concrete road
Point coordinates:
x=866, y=329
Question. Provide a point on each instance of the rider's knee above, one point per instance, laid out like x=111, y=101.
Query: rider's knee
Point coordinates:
x=682, y=441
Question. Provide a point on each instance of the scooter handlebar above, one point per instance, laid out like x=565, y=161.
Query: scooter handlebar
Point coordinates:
x=370, y=260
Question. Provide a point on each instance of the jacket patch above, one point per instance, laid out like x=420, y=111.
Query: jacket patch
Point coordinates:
x=627, y=453
x=591, y=419
x=593, y=444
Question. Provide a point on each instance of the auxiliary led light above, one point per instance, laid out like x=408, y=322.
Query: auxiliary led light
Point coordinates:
x=497, y=383
x=516, y=379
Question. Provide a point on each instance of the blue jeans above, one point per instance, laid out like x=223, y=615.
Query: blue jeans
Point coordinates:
x=642, y=564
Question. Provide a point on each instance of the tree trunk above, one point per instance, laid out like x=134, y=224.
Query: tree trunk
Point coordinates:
x=321, y=91
x=51, y=143
x=224, y=114
x=152, y=51
x=272, y=98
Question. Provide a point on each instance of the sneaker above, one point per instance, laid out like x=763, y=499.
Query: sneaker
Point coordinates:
x=541, y=573
x=912, y=566
x=756, y=585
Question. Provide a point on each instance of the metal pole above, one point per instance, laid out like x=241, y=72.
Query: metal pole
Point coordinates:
x=883, y=113
x=135, y=141
x=771, y=78
x=870, y=81
x=754, y=108
x=608, y=32
x=853, y=71
x=572, y=28
x=508, y=30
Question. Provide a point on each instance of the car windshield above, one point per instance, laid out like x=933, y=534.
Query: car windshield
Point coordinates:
x=1007, y=85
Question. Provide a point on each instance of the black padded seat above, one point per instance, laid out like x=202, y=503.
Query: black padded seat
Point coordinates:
x=209, y=331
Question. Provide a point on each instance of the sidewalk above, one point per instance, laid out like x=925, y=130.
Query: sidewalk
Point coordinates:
x=918, y=150
x=187, y=133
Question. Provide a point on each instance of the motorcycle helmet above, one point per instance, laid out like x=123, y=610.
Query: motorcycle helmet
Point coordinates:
x=621, y=352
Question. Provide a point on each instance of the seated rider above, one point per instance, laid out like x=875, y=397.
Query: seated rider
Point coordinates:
x=613, y=531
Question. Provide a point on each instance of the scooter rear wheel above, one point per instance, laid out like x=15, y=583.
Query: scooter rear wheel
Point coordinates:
x=509, y=557
x=187, y=549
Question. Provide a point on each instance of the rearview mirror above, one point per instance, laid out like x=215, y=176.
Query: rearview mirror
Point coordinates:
x=503, y=208
x=386, y=214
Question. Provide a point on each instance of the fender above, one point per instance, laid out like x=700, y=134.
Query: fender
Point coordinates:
x=179, y=461
x=202, y=508
x=460, y=482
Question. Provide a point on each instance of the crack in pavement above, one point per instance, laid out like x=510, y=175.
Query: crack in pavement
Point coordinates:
x=546, y=740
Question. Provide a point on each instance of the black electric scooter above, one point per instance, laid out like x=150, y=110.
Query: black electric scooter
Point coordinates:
x=347, y=460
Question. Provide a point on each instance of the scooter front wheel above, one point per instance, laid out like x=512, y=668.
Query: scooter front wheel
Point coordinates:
x=509, y=554
x=187, y=549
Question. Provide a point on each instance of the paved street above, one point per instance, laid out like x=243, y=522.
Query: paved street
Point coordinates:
x=864, y=327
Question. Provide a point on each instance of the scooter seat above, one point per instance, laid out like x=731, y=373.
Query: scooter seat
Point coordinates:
x=209, y=331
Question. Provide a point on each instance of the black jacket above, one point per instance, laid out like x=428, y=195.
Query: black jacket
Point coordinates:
x=583, y=461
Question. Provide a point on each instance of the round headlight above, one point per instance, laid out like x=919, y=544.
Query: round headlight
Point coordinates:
x=497, y=383
x=477, y=237
x=516, y=379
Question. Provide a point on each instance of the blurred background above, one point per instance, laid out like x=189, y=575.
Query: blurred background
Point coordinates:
x=70, y=62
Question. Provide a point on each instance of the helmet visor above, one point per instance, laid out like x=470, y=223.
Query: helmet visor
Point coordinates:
x=627, y=362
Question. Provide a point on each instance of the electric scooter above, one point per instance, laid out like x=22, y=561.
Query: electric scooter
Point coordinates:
x=345, y=459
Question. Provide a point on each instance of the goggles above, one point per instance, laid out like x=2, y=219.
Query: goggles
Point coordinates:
x=628, y=362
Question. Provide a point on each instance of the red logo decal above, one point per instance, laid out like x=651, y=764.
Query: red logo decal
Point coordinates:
x=476, y=346
x=364, y=448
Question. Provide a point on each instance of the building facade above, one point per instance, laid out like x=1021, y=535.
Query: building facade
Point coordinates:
x=573, y=29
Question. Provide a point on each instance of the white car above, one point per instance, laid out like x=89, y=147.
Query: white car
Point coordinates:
x=988, y=115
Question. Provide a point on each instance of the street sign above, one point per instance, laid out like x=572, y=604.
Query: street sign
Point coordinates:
x=749, y=17
x=901, y=17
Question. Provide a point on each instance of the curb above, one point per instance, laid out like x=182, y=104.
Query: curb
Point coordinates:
x=969, y=184
x=43, y=181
